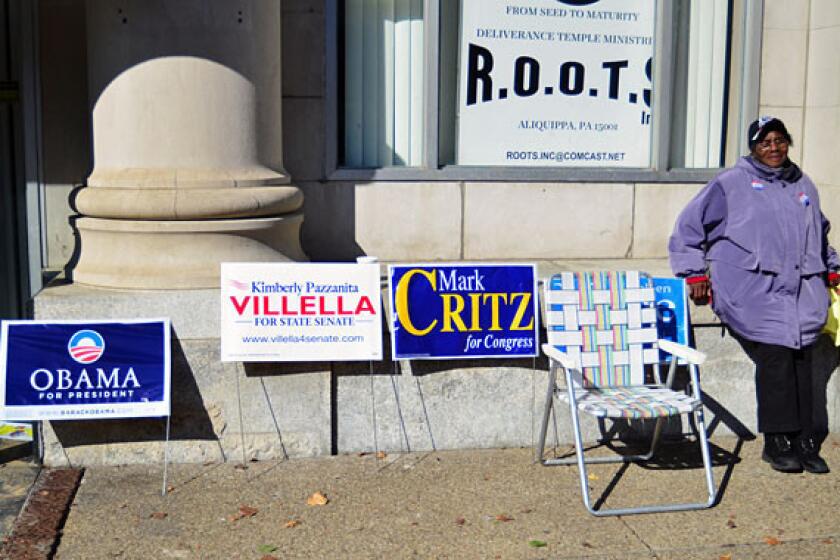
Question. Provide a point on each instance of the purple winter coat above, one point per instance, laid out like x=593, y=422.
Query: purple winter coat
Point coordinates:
x=764, y=238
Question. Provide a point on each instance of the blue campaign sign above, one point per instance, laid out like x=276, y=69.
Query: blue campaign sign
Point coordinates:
x=66, y=370
x=671, y=311
x=463, y=310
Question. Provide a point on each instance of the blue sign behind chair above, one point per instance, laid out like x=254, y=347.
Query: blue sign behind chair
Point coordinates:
x=671, y=311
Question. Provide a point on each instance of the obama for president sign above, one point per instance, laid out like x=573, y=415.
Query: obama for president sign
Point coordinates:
x=73, y=370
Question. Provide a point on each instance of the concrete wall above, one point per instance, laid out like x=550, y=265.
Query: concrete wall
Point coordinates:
x=235, y=412
x=408, y=220
x=220, y=411
x=822, y=107
x=313, y=409
x=800, y=83
x=65, y=119
x=442, y=220
x=444, y=405
x=445, y=220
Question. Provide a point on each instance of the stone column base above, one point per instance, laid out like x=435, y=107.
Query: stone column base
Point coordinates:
x=156, y=254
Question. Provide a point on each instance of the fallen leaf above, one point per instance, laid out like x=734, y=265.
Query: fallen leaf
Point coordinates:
x=292, y=523
x=460, y=521
x=586, y=545
x=266, y=548
x=772, y=541
x=248, y=511
x=414, y=524
x=537, y=544
x=486, y=477
x=269, y=557
x=158, y=515
x=317, y=499
x=381, y=454
x=827, y=541
x=363, y=453
x=503, y=518
x=244, y=511
x=592, y=476
x=731, y=524
x=725, y=557
x=170, y=489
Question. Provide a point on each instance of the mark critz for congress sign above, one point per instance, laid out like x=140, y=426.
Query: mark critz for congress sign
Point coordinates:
x=463, y=311
x=68, y=370
x=284, y=312
x=556, y=83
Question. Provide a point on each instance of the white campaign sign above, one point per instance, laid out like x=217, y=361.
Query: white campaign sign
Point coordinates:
x=563, y=83
x=289, y=312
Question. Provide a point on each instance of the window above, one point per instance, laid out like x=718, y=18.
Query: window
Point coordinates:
x=383, y=83
x=570, y=89
x=710, y=90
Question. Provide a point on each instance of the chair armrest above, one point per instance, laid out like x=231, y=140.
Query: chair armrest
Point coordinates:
x=682, y=351
x=561, y=357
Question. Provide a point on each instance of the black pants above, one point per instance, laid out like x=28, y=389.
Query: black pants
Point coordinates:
x=784, y=386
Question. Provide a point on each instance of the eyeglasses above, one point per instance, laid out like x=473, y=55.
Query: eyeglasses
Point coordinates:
x=777, y=142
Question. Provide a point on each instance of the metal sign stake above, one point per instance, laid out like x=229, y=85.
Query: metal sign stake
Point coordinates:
x=165, y=457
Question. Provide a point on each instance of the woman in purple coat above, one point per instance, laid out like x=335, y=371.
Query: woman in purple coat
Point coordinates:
x=754, y=243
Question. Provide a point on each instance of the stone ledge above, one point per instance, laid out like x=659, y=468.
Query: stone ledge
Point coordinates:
x=194, y=313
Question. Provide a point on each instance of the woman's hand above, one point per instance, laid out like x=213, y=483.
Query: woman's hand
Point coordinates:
x=700, y=289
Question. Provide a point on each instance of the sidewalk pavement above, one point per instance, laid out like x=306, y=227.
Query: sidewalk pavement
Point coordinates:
x=17, y=474
x=454, y=504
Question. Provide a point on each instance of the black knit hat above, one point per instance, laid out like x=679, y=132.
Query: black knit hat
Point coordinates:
x=764, y=126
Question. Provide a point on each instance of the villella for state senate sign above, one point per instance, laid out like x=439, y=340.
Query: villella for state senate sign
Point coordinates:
x=289, y=312
x=463, y=310
x=84, y=370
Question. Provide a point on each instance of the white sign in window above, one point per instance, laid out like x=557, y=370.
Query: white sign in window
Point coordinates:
x=563, y=83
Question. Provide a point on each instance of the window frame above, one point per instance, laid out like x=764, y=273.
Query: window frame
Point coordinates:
x=431, y=170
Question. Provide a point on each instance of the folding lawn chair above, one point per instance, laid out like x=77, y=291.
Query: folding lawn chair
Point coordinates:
x=601, y=330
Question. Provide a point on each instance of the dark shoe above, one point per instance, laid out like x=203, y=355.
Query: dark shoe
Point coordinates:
x=779, y=452
x=809, y=455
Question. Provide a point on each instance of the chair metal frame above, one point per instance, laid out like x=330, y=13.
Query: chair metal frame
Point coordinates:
x=571, y=368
